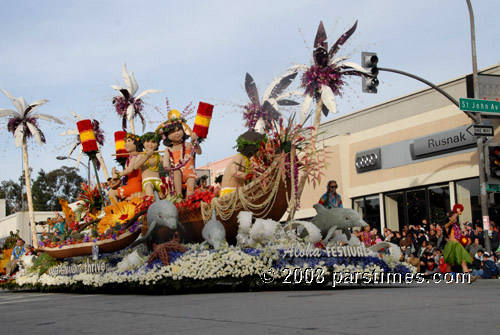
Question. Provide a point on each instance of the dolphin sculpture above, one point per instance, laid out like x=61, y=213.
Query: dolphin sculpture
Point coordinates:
x=160, y=213
x=329, y=220
x=214, y=232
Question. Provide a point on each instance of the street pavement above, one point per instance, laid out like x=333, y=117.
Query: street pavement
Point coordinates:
x=392, y=309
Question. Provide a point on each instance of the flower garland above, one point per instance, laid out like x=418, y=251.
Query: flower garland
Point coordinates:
x=182, y=162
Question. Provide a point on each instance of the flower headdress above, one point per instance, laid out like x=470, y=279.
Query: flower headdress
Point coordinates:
x=134, y=137
x=150, y=136
x=175, y=119
x=249, y=142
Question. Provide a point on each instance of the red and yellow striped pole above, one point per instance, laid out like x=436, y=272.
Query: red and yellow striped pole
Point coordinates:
x=203, y=118
x=87, y=136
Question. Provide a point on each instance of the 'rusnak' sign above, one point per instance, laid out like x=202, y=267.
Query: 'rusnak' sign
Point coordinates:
x=443, y=142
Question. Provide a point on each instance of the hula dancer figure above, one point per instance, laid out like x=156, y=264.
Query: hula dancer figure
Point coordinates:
x=179, y=155
x=240, y=167
x=150, y=165
x=133, y=145
x=454, y=252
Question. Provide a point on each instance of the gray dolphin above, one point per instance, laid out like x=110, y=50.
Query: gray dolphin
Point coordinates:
x=214, y=232
x=329, y=220
x=160, y=213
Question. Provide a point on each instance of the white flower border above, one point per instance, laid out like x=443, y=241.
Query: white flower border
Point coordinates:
x=198, y=263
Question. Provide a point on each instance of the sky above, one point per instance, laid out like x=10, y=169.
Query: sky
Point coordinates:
x=70, y=52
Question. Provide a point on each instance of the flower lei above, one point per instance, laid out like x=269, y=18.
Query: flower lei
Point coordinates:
x=458, y=208
x=182, y=162
x=457, y=231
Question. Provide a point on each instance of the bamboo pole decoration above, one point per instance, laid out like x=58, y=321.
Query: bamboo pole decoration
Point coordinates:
x=97, y=181
x=137, y=153
x=103, y=165
x=132, y=126
x=31, y=210
x=314, y=135
x=293, y=199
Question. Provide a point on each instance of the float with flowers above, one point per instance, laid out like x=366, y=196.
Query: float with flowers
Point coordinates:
x=147, y=231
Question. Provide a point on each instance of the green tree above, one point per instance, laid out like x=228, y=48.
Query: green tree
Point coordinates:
x=11, y=192
x=48, y=188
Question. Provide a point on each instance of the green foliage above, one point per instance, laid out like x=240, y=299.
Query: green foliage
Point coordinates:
x=49, y=187
x=12, y=193
x=10, y=242
x=43, y=263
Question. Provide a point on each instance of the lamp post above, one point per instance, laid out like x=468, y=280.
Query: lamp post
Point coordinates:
x=62, y=158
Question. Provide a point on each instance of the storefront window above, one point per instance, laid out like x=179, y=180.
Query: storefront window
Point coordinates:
x=369, y=209
x=394, y=211
x=410, y=207
x=372, y=211
x=467, y=194
x=439, y=203
x=416, y=205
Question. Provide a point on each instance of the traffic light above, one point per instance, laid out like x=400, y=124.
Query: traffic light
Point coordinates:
x=493, y=170
x=369, y=61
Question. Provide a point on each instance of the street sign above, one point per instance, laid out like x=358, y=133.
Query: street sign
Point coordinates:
x=480, y=130
x=492, y=187
x=476, y=105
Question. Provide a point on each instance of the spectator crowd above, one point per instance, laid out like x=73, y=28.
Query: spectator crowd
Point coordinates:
x=422, y=246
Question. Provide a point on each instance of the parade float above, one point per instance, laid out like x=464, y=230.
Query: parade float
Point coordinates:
x=141, y=243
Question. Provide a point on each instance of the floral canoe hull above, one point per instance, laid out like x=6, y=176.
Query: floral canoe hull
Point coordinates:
x=266, y=198
x=84, y=249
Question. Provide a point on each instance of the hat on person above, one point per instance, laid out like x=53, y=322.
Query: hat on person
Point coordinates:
x=486, y=254
x=469, y=224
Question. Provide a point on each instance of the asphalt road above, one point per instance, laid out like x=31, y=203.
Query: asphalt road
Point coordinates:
x=398, y=309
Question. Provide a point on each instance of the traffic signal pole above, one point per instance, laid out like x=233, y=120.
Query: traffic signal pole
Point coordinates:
x=480, y=151
x=480, y=147
x=369, y=61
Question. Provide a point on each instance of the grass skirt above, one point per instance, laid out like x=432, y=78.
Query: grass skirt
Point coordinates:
x=454, y=253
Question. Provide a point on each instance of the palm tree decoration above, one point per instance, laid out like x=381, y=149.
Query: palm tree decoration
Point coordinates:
x=258, y=115
x=325, y=78
x=127, y=106
x=99, y=134
x=23, y=125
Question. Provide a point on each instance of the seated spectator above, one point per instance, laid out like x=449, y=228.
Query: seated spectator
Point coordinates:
x=430, y=268
x=489, y=269
x=494, y=238
x=443, y=267
x=477, y=260
x=433, y=237
x=396, y=238
x=18, y=251
x=413, y=260
x=438, y=254
x=441, y=241
x=405, y=242
x=474, y=247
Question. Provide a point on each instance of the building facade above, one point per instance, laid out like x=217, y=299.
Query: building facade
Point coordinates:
x=408, y=159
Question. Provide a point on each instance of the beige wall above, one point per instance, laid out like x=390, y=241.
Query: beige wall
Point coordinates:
x=412, y=116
